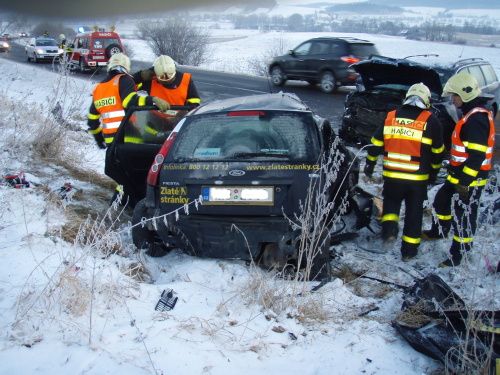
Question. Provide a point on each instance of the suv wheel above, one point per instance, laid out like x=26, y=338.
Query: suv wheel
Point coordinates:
x=327, y=82
x=112, y=49
x=277, y=76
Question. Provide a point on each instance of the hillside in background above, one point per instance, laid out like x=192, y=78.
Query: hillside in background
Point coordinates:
x=366, y=8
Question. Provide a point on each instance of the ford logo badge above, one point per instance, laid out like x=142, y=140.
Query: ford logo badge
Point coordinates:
x=236, y=172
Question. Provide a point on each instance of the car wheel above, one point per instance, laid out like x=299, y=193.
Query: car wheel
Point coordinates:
x=327, y=82
x=112, y=49
x=277, y=76
x=142, y=237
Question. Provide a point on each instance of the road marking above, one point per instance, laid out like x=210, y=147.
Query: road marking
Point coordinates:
x=198, y=82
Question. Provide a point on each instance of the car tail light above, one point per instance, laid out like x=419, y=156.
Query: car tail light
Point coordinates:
x=246, y=113
x=350, y=59
x=154, y=170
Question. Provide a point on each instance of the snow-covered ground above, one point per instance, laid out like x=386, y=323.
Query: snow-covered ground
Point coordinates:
x=85, y=304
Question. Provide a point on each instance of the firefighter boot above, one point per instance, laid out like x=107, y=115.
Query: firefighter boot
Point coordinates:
x=389, y=231
x=408, y=251
x=454, y=259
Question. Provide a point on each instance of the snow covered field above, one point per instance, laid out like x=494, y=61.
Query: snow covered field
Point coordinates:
x=86, y=306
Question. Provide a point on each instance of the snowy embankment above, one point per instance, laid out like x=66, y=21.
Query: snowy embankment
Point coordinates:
x=75, y=297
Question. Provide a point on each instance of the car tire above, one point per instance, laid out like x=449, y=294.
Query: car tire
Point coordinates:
x=144, y=238
x=112, y=49
x=277, y=76
x=327, y=82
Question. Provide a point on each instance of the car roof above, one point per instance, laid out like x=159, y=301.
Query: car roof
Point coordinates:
x=347, y=39
x=273, y=102
x=380, y=70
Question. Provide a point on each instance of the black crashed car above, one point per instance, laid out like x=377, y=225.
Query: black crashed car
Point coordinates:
x=383, y=85
x=234, y=175
x=325, y=61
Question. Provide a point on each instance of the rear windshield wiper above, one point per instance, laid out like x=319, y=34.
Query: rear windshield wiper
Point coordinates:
x=239, y=155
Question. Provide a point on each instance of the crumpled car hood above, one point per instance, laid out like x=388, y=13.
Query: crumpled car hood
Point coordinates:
x=384, y=70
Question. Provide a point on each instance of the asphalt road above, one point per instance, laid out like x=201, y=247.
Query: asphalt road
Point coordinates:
x=217, y=85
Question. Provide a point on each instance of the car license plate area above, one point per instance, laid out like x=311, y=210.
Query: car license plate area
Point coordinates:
x=238, y=195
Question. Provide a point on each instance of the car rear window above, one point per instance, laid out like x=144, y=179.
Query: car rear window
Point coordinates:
x=104, y=42
x=363, y=50
x=248, y=135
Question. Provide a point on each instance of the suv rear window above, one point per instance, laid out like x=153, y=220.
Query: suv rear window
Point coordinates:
x=247, y=135
x=104, y=42
x=363, y=50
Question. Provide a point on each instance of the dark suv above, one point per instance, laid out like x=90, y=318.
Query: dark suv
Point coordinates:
x=383, y=85
x=233, y=178
x=322, y=60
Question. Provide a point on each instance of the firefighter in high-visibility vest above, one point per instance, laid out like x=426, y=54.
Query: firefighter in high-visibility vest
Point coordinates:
x=471, y=151
x=411, y=141
x=164, y=81
x=112, y=96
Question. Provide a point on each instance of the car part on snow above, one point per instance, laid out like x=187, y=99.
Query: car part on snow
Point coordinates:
x=167, y=301
x=66, y=191
x=435, y=322
x=17, y=180
x=363, y=205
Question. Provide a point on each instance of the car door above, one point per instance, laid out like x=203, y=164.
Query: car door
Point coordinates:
x=76, y=47
x=314, y=60
x=294, y=66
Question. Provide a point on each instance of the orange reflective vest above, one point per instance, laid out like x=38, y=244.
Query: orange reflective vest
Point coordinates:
x=459, y=152
x=403, y=140
x=174, y=96
x=108, y=103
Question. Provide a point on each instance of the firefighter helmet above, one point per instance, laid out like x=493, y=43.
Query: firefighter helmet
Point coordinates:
x=422, y=91
x=119, y=60
x=464, y=85
x=164, y=67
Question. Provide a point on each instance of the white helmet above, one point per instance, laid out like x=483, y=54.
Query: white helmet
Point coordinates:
x=421, y=91
x=119, y=60
x=62, y=36
x=464, y=85
x=164, y=67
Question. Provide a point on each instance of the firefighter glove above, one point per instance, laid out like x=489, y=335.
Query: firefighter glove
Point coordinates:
x=369, y=170
x=463, y=191
x=147, y=74
x=99, y=139
x=161, y=104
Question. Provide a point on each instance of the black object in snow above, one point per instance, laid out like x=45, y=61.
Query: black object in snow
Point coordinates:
x=167, y=301
x=435, y=322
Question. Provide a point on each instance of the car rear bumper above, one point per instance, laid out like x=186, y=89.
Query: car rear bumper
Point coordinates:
x=229, y=237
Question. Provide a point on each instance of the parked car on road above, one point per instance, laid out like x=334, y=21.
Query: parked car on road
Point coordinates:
x=322, y=60
x=249, y=162
x=384, y=82
x=91, y=50
x=42, y=48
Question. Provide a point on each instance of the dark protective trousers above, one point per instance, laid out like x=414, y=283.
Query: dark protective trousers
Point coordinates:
x=414, y=196
x=463, y=218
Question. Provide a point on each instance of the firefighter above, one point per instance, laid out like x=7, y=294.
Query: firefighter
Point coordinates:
x=412, y=143
x=472, y=145
x=62, y=41
x=112, y=96
x=163, y=81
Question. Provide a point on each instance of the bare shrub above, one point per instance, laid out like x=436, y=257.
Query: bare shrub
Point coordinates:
x=259, y=65
x=177, y=38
